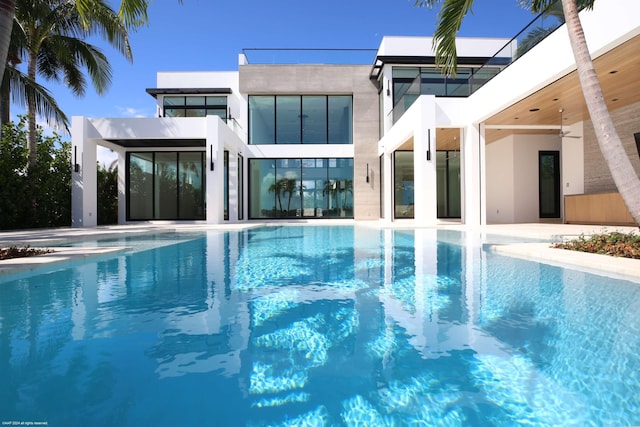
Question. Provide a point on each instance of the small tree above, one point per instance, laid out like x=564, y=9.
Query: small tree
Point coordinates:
x=36, y=197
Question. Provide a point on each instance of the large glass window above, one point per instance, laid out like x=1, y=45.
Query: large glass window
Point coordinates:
x=195, y=106
x=165, y=185
x=291, y=188
x=300, y=119
x=403, y=196
x=262, y=119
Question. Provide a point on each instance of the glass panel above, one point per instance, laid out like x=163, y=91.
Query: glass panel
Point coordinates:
x=403, y=184
x=432, y=82
x=314, y=119
x=288, y=120
x=222, y=113
x=175, y=112
x=340, y=119
x=165, y=186
x=454, y=184
x=219, y=101
x=191, y=185
x=140, y=186
x=173, y=100
x=459, y=85
x=339, y=188
x=441, y=183
x=240, y=187
x=287, y=188
x=226, y=185
x=195, y=112
x=262, y=202
x=196, y=101
x=314, y=198
x=262, y=120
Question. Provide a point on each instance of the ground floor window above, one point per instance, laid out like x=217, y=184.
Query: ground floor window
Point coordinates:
x=292, y=188
x=165, y=185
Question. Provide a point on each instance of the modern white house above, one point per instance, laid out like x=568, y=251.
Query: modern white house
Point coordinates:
x=506, y=140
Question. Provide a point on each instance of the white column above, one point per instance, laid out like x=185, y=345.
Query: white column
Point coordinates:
x=472, y=170
x=388, y=187
x=424, y=164
x=214, y=155
x=84, y=175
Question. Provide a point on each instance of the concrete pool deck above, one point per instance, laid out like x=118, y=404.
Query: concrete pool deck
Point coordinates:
x=600, y=264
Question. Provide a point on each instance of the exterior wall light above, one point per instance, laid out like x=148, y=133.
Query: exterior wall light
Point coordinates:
x=428, y=145
x=211, y=165
x=367, y=177
x=76, y=165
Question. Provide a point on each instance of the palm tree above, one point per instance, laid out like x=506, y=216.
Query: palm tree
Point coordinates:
x=624, y=176
x=52, y=36
x=133, y=13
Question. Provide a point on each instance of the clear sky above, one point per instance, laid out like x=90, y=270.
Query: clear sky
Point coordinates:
x=208, y=35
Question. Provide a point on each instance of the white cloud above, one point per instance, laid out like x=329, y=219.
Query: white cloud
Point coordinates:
x=105, y=156
x=133, y=112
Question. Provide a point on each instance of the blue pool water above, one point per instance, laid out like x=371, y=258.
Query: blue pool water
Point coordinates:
x=317, y=326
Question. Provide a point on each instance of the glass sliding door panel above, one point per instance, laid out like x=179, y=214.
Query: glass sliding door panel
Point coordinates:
x=403, y=196
x=288, y=187
x=240, y=187
x=191, y=185
x=454, y=185
x=340, y=188
x=225, y=180
x=165, y=185
x=314, y=177
x=140, y=186
x=441, y=178
x=262, y=197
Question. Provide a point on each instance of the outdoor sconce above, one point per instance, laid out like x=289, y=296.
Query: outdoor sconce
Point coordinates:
x=211, y=165
x=76, y=165
x=388, y=87
x=367, y=178
x=428, y=145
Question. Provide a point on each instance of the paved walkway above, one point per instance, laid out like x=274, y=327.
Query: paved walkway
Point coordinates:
x=53, y=238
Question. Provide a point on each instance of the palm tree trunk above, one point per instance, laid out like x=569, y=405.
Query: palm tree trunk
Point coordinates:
x=610, y=144
x=5, y=105
x=31, y=111
x=7, y=12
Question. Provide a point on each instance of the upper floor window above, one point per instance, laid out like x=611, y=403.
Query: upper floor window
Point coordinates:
x=194, y=106
x=300, y=119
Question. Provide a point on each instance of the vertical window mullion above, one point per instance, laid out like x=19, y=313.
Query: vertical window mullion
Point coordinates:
x=326, y=107
x=301, y=121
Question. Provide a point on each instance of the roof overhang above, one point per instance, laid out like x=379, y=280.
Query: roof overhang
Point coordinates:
x=188, y=91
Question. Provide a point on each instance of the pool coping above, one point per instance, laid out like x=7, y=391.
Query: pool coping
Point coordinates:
x=625, y=268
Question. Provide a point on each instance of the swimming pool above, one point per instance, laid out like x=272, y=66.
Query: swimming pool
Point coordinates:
x=315, y=326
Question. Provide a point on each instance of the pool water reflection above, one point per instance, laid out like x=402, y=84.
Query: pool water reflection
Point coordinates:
x=316, y=325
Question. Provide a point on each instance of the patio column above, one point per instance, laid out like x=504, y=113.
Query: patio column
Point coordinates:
x=472, y=171
x=84, y=175
x=424, y=164
x=214, y=166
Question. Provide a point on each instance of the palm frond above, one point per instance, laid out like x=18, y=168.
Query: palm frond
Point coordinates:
x=23, y=87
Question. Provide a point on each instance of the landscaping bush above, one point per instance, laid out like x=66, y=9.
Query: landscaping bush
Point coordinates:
x=617, y=244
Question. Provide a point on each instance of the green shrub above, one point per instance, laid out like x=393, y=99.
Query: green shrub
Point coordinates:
x=617, y=244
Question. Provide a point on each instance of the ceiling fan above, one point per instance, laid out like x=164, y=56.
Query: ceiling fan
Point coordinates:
x=562, y=133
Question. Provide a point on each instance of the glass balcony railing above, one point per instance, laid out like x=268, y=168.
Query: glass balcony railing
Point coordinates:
x=472, y=79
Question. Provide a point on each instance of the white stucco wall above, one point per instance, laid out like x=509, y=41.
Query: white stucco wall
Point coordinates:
x=500, y=181
x=512, y=177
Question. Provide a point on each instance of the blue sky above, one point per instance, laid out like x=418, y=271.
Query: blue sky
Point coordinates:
x=208, y=35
